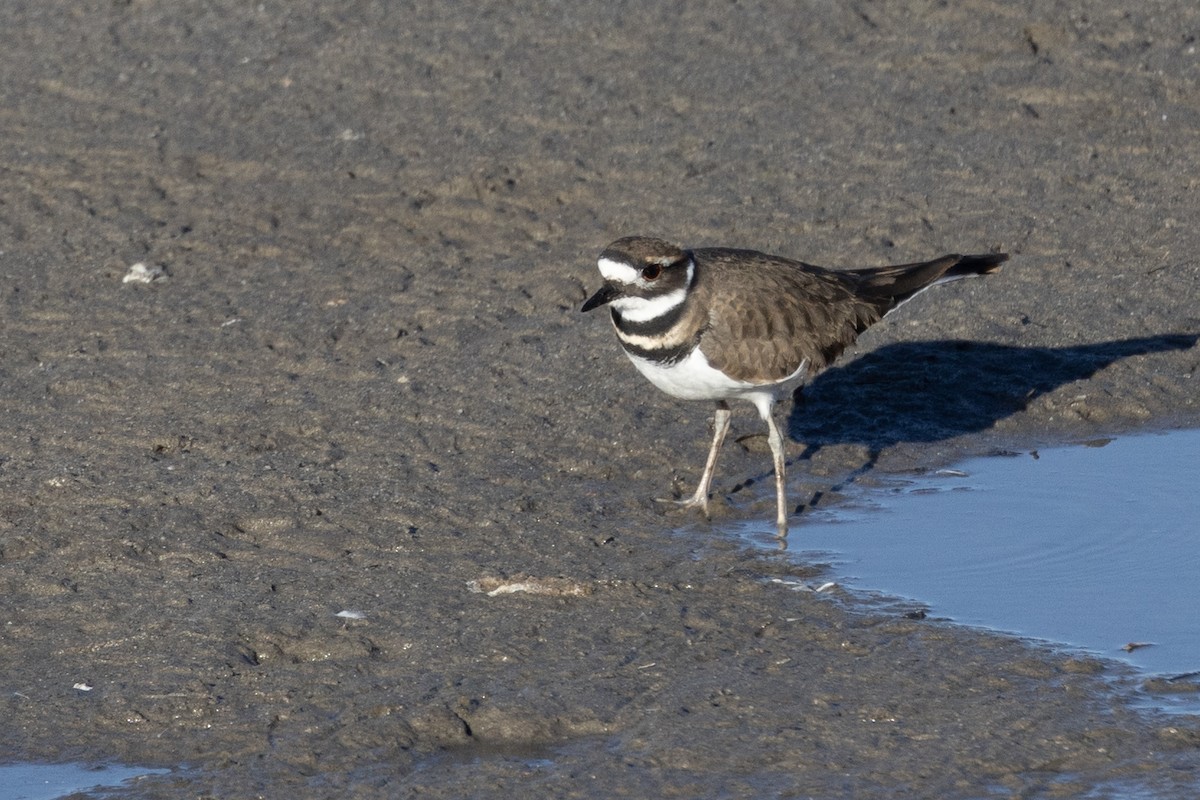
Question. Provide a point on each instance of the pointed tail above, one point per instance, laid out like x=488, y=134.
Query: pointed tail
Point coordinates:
x=889, y=287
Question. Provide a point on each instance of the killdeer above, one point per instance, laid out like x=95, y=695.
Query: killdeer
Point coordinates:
x=720, y=324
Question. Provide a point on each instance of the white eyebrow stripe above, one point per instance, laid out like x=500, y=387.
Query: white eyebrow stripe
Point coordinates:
x=617, y=271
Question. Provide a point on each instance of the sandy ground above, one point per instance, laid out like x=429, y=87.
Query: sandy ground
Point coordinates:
x=363, y=385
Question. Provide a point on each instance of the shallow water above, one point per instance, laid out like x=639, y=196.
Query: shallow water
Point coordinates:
x=51, y=781
x=1092, y=546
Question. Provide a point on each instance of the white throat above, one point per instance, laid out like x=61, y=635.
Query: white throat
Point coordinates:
x=644, y=309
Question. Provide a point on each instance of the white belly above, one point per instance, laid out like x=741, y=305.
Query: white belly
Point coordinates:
x=693, y=378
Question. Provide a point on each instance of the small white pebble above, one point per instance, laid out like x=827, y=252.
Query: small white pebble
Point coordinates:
x=83, y=687
x=348, y=614
x=140, y=273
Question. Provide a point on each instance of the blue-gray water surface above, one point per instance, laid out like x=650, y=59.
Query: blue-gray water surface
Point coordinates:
x=1095, y=546
x=52, y=781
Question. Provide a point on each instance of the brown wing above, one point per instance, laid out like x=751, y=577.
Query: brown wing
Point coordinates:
x=770, y=314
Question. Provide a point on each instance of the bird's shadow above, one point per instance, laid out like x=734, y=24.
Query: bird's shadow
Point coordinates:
x=930, y=391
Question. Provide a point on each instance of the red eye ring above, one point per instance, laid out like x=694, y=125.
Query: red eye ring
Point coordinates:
x=650, y=272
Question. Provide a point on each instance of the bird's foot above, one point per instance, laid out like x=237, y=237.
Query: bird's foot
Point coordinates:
x=695, y=501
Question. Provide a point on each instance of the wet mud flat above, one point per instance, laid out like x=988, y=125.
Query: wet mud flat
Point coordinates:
x=350, y=499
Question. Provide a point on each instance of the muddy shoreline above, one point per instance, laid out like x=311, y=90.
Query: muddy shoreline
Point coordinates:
x=363, y=385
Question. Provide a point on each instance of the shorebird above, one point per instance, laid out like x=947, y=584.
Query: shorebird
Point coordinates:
x=720, y=324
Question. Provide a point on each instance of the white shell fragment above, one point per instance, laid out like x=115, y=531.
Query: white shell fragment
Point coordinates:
x=83, y=687
x=140, y=273
x=348, y=614
x=552, y=587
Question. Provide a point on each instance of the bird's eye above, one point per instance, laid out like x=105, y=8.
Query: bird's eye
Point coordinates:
x=651, y=272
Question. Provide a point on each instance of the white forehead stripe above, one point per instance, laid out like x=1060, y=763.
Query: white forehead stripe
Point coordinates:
x=617, y=271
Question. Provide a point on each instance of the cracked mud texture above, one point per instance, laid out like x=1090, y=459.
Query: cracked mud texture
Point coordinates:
x=364, y=386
